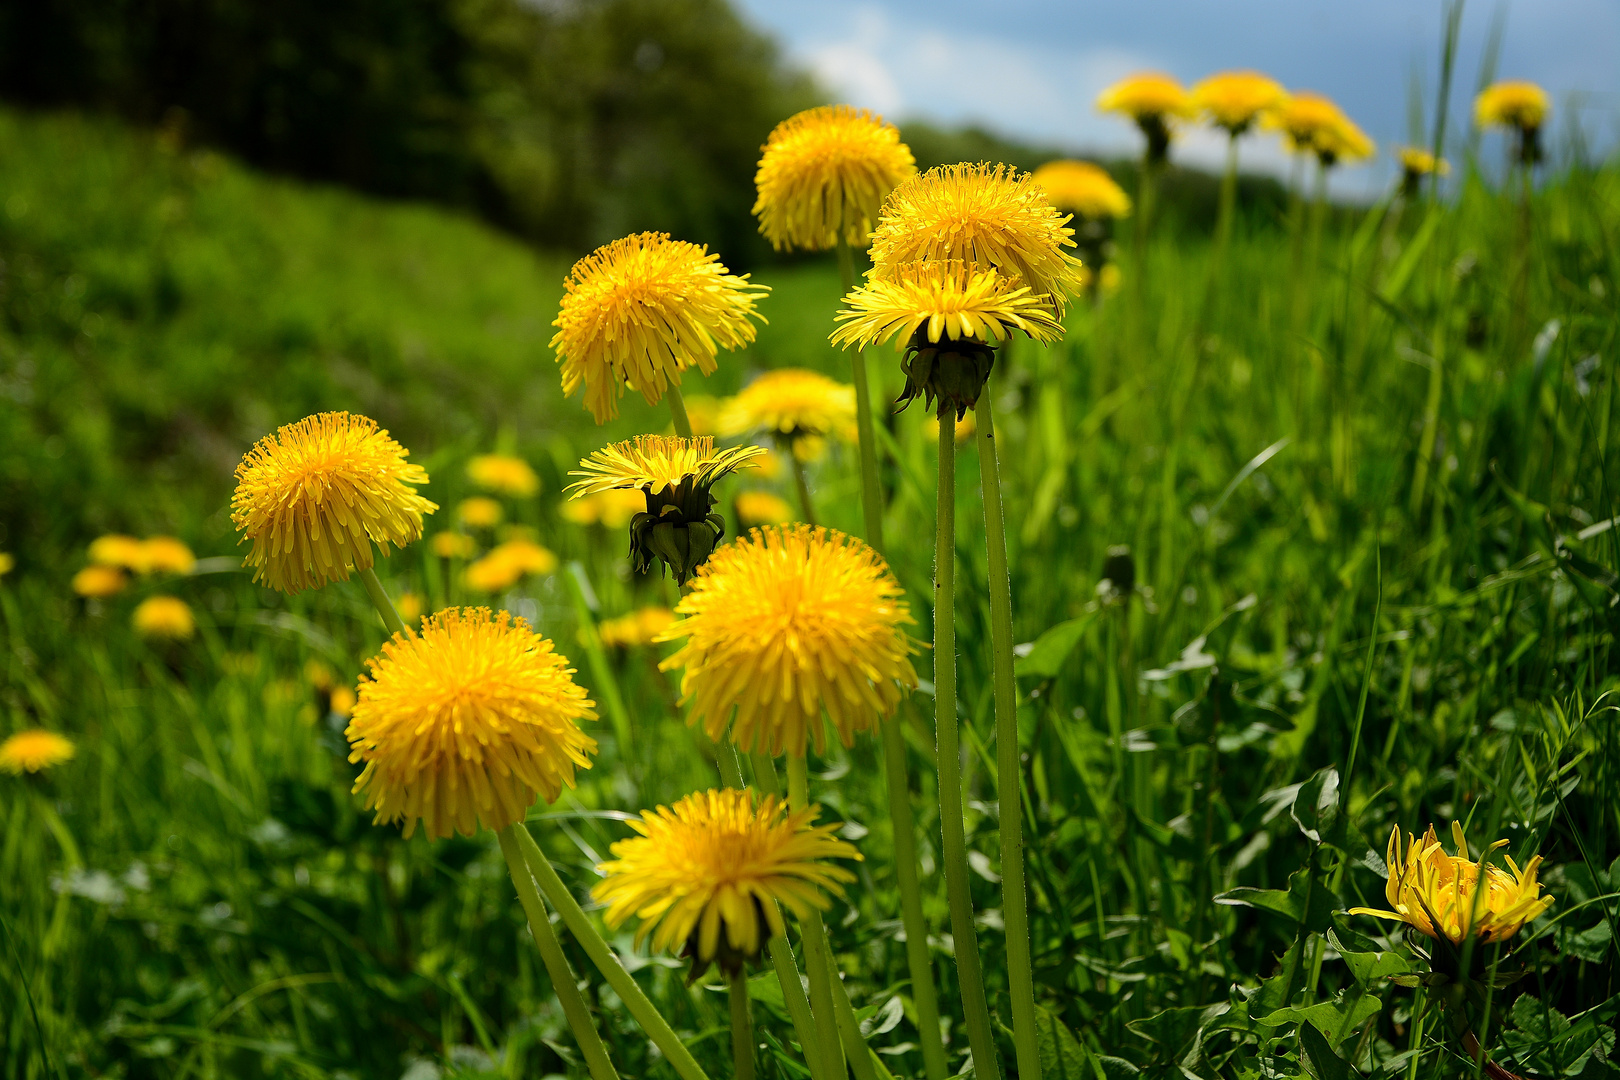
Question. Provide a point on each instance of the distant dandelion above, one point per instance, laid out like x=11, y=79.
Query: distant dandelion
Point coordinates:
x=785, y=623
x=503, y=474
x=167, y=555
x=479, y=512
x=8, y=563
x=761, y=508
x=1079, y=187
x=965, y=428
x=34, y=751
x=99, y=582
x=1416, y=164
x=1234, y=100
x=609, y=509
x=640, y=311
x=453, y=545
x=465, y=722
x=508, y=563
x=823, y=175
x=721, y=860
x=794, y=405
x=1522, y=106
x=637, y=629
x=410, y=607
x=1152, y=99
x=1314, y=124
x=118, y=550
x=342, y=701
x=315, y=496
x=164, y=618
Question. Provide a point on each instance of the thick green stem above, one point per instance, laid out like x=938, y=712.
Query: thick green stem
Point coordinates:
x=806, y=507
x=1009, y=774
x=380, y=601
x=562, y=976
x=742, y=1028
x=849, y=1028
x=602, y=955
x=871, y=493
x=677, y=411
x=969, y=974
x=816, y=951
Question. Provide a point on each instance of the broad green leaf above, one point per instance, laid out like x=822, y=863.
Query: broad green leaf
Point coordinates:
x=1335, y=1019
x=1318, y=1057
x=1062, y=1056
x=1369, y=966
x=1049, y=652
x=1305, y=901
x=1316, y=806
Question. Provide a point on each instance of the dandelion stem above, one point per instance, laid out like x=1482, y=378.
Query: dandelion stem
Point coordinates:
x=803, y=485
x=1009, y=775
x=562, y=976
x=849, y=1029
x=380, y=601
x=742, y=1028
x=969, y=975
x=816, y=951
x=677, y=411
x=602, y=955
x=924, y=996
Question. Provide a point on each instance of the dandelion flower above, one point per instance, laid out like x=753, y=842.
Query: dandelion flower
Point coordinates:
x=507, y=564
x=99, y=582
x=762, y=508
x=1439, y=894
x=785, y=623
x=317, y=494
x=1234, y=100
x=453, y=545
x=410, y=608
x=166, y=555
x=166, y=618
x=823, y=175
x=118, y=550
x=34, y=751
x=505, y=475
x=639, y=628
x=342, y=701
x=479, y=512
x=794, y=405
x=463, y=723
x=721, y=860
x=991, y=216
x=1146, y=94
x=8, y=563
x=640, y=311
x=609, y=509
x=1512, y=103
x=1313, y=124
x=1079, y=187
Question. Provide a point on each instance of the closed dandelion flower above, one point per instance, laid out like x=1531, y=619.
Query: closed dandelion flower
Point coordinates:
x=465, y=722
x=118, y=550
x=1152, y=99
x=164, y=618
x=99, y=582
x=785, y=623
x=706, y=876
x=453, y=545
x=315, y=496
x=479, y=512
x=824, y=173
x=505, y=475
x=640, y=311
x=1079, y=187
x=610, y=509
x=1234, y=100
x=761, y=508
x=34, y=751
x=167, y=555
x=794, y=405
x=989, y=216
x=639, y=628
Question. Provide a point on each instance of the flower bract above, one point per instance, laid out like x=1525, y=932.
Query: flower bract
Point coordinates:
x=824, y=173
x=34, y=751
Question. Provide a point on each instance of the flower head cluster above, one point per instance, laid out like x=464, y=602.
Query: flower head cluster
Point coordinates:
x=164, y=618
x=786, y=623
x=793, y=404
x=641, y=310
x=1234, y=100
x=154, y=555
x=637, y=629
x=1081, y=188
x=314, y=497
x=1313, y=124
x=34, y=751
x=504, y=475
x=465, y=722
x=823, y=174
x=708, y=873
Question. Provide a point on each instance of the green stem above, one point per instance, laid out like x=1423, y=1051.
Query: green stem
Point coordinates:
x=380, y=601
x=562, y=976
x=805, y=505
x=677, y=411
x=607, y=685
x=742, y=1028
x=646, y=1014
x=953, y=832
x=816, y=950
x=849, y=1029
x=871, y=493
x=1009, y=774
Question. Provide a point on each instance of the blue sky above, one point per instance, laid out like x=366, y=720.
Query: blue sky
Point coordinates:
x=1031, y=68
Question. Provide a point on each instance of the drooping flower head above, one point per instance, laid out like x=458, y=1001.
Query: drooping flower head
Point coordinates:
x=641, y=310
x=706, y=875
x=639, y=628
x=1522, y=106
x=464, y=723
x=165, y=618
x=785, y=623
x=1234, y=100
x=822, y=175
x=314, y=497
x=678, y=525
x=1152, y=99
x=990, y=216
x=504, y=475
x=800, y=408
x=34, y=751
x=1079, y=187
x=947, y=316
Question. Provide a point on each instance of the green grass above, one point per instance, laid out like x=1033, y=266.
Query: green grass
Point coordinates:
x=197, y=895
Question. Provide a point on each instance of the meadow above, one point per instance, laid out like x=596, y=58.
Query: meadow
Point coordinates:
x=1308, y=540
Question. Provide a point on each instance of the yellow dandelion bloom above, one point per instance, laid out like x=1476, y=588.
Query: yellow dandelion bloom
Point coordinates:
x=317, y=494
x=609, y=509
x=785, y=623
x=1079, y=187
x=166, y=618
x=948, y=299
x=1146, y=94
x=99, y=582
x=479, y=512
x=792, y=403
x=1235, y=99
x=489, y=575
x=824, y=173
x=33, y=751
x=991, y=216
x=453, y=545
x=506, y=475
x=640, y=311
x=8, y=563
x=1419, y=162
x=342, y=701
x=1440, y=895
x=167, y=555
x=652, y=463
x=721, y=860
x=640, y=627
x=1314, y=124
x=319, y=675
x=762, y=508
x=1512, y=103
x=463, y=723
x=118, y=550
x=410, y=607
x=507, y=564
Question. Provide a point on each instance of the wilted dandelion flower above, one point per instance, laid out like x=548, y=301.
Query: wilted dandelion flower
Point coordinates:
x=34, y=751
x=167, y=555
x=761, y=508
x=640, y=311
x=639, y=628
x=785, y=623
x=793, y=404
x=317, y=494
x=823, y=175
x=463, y=723
x=99, y=582
x=166, y=618
x=721, y=860
x=479, y=512
x=1234, y=100
x=1079, y=187
x=989, y=216
x=504, y=474
x=453, y=545
x=118, y=550
x=609, y=509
